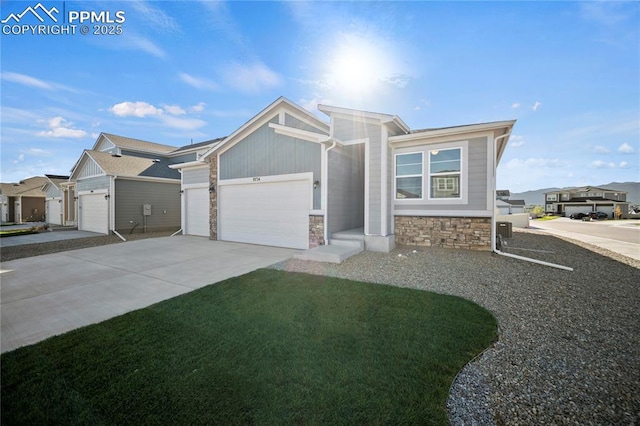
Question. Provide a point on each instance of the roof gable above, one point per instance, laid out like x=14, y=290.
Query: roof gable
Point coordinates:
x=281, y=104
x=393, y=120
x=130, y=166
x=131, y=144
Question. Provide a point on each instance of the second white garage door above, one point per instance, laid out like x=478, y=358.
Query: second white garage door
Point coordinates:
x=269, y=213
x=94, y=213
x=197, y=211
x=54, y=211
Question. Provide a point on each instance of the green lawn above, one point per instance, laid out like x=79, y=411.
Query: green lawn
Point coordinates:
x=15, y=232
x=543, y=218
x=269, y=347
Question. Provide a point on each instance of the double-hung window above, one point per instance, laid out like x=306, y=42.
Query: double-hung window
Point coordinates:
x=409, y=176
x=445, y=173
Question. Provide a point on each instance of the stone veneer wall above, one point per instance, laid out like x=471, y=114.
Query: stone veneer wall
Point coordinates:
x=316, y=231
x=470, y=233
x=213, y=197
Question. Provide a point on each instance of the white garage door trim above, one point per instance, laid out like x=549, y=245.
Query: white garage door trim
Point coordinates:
x=94, y=213
x=54, y=211
x=196, y=218
x=271, y=210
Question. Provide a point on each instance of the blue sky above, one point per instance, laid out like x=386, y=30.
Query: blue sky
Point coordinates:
x=569, y=72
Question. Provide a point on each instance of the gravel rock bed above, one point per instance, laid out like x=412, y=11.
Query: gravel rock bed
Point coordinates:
x=29, y=250
x=568, y=349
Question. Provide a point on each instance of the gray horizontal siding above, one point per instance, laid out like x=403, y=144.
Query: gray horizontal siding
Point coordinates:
x=265, y=153
x=476, y=181
x=93, y=184
x=193, y=176
x=131, y=195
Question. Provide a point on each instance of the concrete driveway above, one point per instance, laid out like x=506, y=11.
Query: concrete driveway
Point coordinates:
x=47, y=295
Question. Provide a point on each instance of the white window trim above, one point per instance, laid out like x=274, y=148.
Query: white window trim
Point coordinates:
x=395, y=176
x=430, y=175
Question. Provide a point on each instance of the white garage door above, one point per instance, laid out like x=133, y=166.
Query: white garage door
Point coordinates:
x=94, y=213
x=197, y=214
x=267, y=213
x=54, y=211
x=569, y=210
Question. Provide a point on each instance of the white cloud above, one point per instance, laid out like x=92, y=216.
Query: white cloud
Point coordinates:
x=20, y=159
x=135, y=109
x=536, y=106
x=516, y=141
x=517, y=163
x=624, y=165
x=515, y=105
x=154, y=17
x=251, y=78
x=133, y=41
x=311, y=104
x=26, y=80
x=60, y=128
x=174, y=109
x=182, y=123
x=625, y=148
x=601, y=149
x=198, y=83
x=198, y=108
x=599, y=164
x=37, y=152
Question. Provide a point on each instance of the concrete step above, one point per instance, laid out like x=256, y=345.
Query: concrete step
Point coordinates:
x=351, y=234
x=335, y=252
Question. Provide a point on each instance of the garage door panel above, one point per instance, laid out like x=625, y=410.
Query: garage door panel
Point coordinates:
x=197, y=214
x=94, y=213
x=273, y=213
x=54, y=212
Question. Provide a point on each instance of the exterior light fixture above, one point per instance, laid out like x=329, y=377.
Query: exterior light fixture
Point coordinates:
x=212, y=189
x=316, y=184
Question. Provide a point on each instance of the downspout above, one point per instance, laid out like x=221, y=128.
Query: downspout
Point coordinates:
x=112, y=208
x=326, y=207
x=493, y=218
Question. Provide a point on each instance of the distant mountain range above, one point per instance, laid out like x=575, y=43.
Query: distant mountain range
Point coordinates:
x=536, y=197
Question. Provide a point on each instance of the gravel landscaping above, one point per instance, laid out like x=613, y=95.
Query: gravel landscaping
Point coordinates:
x=568, y=351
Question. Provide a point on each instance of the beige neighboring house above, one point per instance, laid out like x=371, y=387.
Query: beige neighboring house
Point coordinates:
x=23, y=201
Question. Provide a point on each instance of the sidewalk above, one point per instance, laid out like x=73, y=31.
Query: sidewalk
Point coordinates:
x=621, y=247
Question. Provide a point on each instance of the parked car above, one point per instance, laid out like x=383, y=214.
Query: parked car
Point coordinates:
x=578, y=215
x=598, y=215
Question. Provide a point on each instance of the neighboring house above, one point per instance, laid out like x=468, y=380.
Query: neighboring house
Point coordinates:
x=23, y=201
x=55, y=197
x=503, y=194
x=125, y=185
x=585, y=199
x=510, y=206
x=286, y=178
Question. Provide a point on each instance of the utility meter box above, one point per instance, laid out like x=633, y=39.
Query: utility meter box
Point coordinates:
x=146, y=210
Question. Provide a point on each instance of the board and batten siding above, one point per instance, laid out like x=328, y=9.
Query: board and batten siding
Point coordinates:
x=93, y=183
x=89, y=169
x=266, y=153
x=476, y=180
x=131, y=195
x=345, y=203
x=53, y=192
x=291, y=121
x=184, y=158
x=195, y=176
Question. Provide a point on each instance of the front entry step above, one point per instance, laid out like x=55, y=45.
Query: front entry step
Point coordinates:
x=335, y=252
